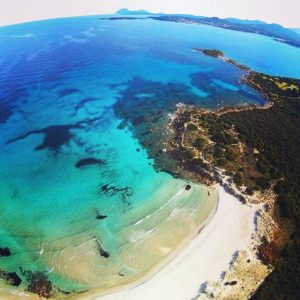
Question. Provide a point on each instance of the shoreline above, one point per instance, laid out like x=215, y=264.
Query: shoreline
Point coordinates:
x=149, y=275
x=213, y=249
x=8, y=293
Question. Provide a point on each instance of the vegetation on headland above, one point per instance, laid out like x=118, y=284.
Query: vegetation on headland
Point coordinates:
x=256, y=150
x=276, y=133
x=251, y=150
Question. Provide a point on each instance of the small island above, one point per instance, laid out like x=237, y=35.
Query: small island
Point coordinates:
x=210, y=52
x=219, y=54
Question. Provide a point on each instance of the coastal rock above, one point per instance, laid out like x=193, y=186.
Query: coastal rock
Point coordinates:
x=268, y=253
x=104, y=253
x=234, y=282
x=188, y=187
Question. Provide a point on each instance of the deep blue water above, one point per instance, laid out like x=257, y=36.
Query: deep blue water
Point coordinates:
x=61, y=83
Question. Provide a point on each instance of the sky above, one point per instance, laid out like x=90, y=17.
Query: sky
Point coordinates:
x=286, y=13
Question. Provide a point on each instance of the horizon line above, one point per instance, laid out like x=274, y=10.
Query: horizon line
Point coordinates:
x=136, y=10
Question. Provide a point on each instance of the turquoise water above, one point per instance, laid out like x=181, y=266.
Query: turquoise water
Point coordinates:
x=71, y=177
x=296, y=29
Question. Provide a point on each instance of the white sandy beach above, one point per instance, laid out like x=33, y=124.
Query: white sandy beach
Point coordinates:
x=204, y=259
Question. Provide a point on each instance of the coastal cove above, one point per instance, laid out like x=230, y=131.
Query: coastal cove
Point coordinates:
x=89, y=187
x=211, y=253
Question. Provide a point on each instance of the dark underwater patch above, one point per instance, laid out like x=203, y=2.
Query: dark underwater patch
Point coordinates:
x=113, y=190
x=4, y=252
x=66, y=92
x=54, y=136
x=81, y=104
x=188, y=187
x=100, y=217
x=88, y=162
x=102, y=252
x=8, y=100
x=147, y=116
x=124, y=193
x=11, y=278
x=122, y=125
x=6, y=111
x=38, y=283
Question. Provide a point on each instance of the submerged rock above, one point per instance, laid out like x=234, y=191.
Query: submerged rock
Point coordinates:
x=11, y=278
x=102, y=252
x=38, y=283
x=66, y=92
x=4, y=252
x=122, y=125
x=100, y=217
x=54, y=136
x=88, y=162
x=139, y=120
x=188, y=187
x=113, y=190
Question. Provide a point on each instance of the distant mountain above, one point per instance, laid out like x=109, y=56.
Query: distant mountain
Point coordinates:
x=246, y=22
x=275, y=31
x=127, y=12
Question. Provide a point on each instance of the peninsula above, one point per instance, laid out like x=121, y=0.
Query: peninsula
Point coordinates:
x=252, y=151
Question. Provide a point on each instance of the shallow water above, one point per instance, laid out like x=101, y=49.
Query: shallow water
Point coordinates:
x=72, y=181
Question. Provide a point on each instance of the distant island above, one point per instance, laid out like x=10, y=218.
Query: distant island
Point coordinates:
x=275, y=31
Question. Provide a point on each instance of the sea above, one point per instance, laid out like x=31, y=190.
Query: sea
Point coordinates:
x=80, y=197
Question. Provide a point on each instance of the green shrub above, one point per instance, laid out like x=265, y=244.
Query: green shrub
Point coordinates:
x=192, y=127
x=199, y=143
x=238, y=179
x=262, y=183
